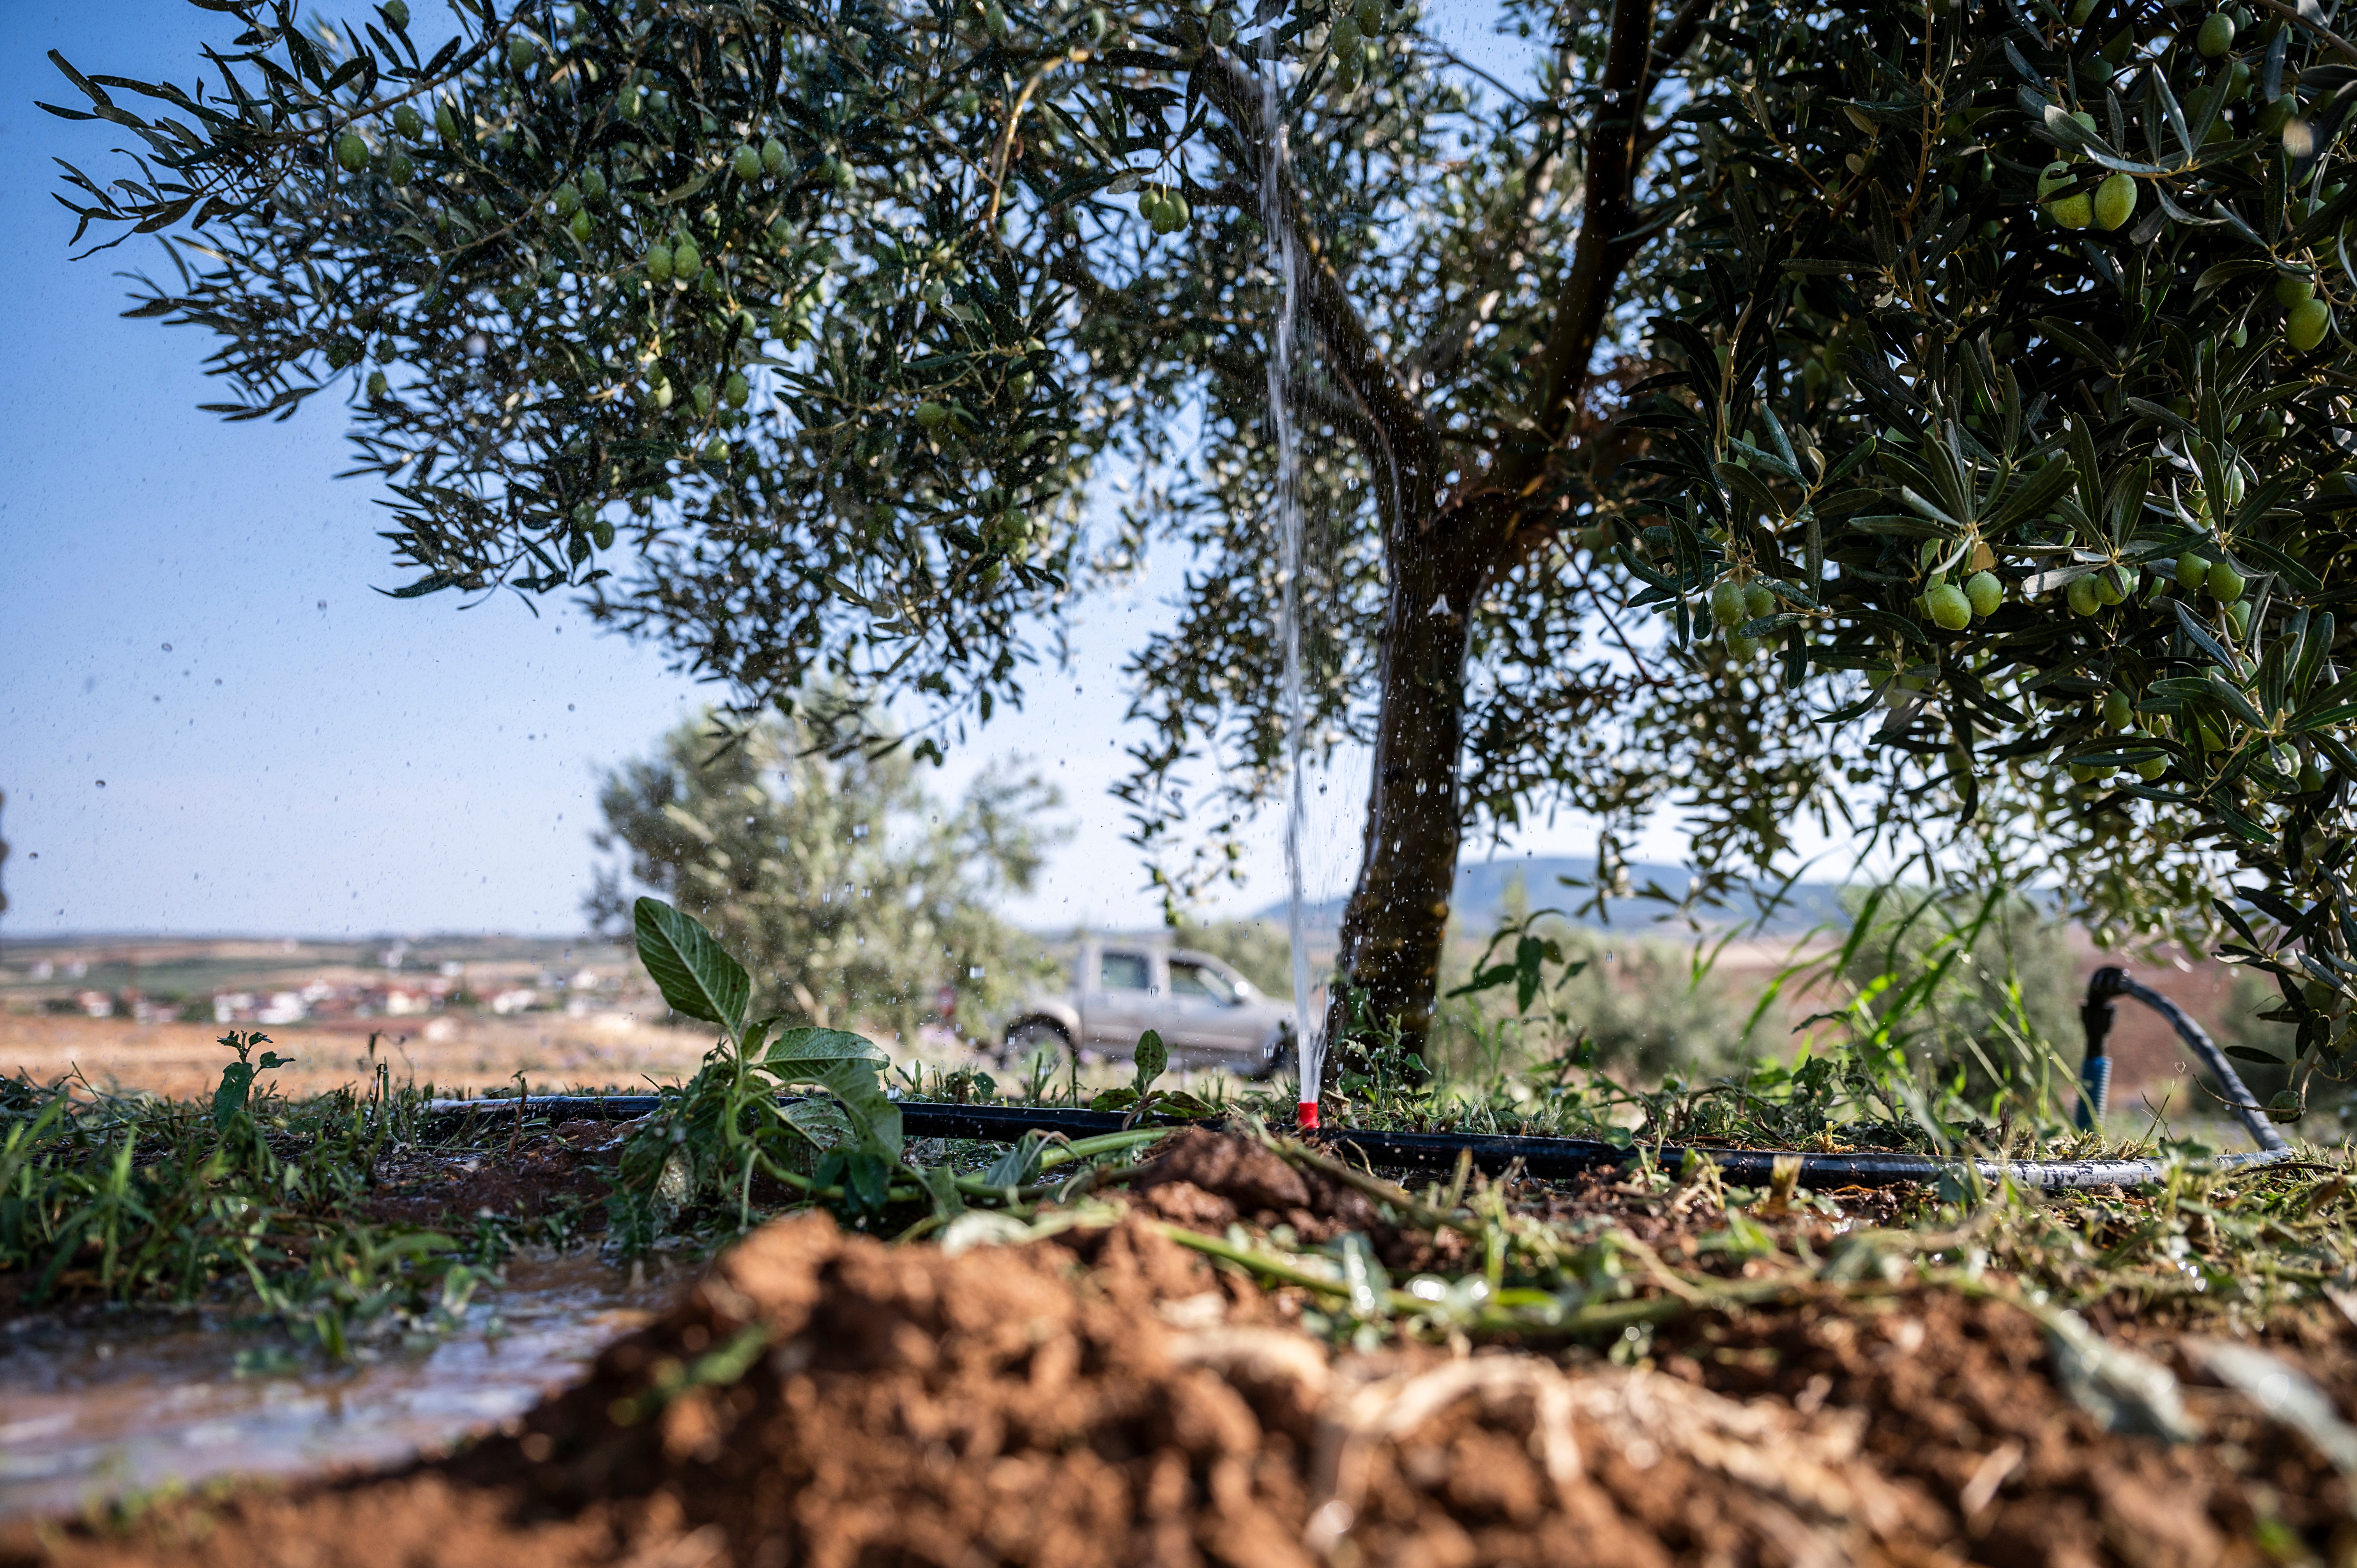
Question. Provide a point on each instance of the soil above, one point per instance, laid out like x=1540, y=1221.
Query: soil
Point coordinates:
x=1106, y=1396
x=569, y=1165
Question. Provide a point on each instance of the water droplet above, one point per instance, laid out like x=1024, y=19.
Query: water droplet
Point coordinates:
x=323, y=604
x=101, y=784
x=167, y=647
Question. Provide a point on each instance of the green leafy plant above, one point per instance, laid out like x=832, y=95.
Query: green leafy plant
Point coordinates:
x=737, y=1119
x=1140, y=1099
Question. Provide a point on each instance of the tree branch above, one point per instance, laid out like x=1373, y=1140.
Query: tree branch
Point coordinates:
x=1601, y=251
x=1616, y=139
x=1357, y=361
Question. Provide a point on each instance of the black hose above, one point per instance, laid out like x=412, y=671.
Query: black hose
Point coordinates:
x=1555, y=1158
x=2095, y=1072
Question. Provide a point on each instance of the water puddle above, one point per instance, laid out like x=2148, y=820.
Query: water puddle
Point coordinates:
x=89, y=1413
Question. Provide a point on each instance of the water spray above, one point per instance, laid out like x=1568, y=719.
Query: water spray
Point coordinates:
x=1309, y=1043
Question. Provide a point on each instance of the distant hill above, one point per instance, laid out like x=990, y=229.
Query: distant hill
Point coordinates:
x=1481, y=892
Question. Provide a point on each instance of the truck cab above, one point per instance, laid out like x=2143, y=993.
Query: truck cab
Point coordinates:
x=1207, y=1014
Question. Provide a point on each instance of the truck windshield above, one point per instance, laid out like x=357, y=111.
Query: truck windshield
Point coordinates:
x=1201, y=983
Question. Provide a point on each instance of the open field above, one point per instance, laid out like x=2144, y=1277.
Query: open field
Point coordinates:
x=453, y=1051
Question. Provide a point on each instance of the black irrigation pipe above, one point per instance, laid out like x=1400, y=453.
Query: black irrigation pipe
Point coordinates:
x=1555, y=1159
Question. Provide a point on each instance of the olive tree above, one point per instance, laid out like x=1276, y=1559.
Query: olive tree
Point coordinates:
x=799, y=337
x=795, y=336
x=852, y=893
x=2003, y=428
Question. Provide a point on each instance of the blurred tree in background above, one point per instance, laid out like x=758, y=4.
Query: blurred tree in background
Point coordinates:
x=852, y=895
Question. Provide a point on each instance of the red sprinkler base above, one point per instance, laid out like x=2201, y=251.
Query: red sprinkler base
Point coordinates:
x=1307, y=1117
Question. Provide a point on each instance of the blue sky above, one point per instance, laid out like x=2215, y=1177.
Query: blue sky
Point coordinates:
x=210, y=722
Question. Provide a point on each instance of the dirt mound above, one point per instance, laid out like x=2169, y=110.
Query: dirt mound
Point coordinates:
x=1206, y=1180
x=1107, y=1397
x=1962, y=1407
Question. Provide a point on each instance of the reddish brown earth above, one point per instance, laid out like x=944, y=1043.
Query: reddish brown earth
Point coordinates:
x=1108, y=1397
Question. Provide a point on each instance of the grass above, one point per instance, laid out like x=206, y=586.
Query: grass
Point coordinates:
x=270, y=1206
x=246, y=1199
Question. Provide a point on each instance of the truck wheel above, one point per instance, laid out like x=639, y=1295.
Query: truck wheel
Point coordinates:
x=1027, y=1040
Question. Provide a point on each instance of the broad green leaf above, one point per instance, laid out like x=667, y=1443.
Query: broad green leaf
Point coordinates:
x=797, y=1054
x=230, y=1098
x=820, y=1121
x=695, y=976
x=1151, y=1058
x=874, y=1118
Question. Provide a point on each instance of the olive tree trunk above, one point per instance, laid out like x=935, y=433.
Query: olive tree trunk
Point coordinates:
x=1396, y=923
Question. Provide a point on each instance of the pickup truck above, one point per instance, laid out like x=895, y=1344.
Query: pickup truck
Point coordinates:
x=1207, y=1014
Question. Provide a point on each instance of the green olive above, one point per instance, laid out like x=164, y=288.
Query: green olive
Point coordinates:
x=736, y=390
x=2115, y=200
x=746, y=164
x=1950, y=611
x=1740, y=647
x=686, y=260
x=408, y=122
x=2119, y=711
x=593, y=184
x=773, y=155
x=1759, y=600
x=2224, y=582
x=521, y=52
x=1986, y=593
x=2082, y=597
x=2239, y=612
x=2193, y=571
x=396, y=15
x=351, y=153
x=2151, y=768
x=2068, y=211
x=2307, y=324
x=1727, y=602
x=659, y=262
x=583, y=225
x=2216, y=35
x=2292, y=288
